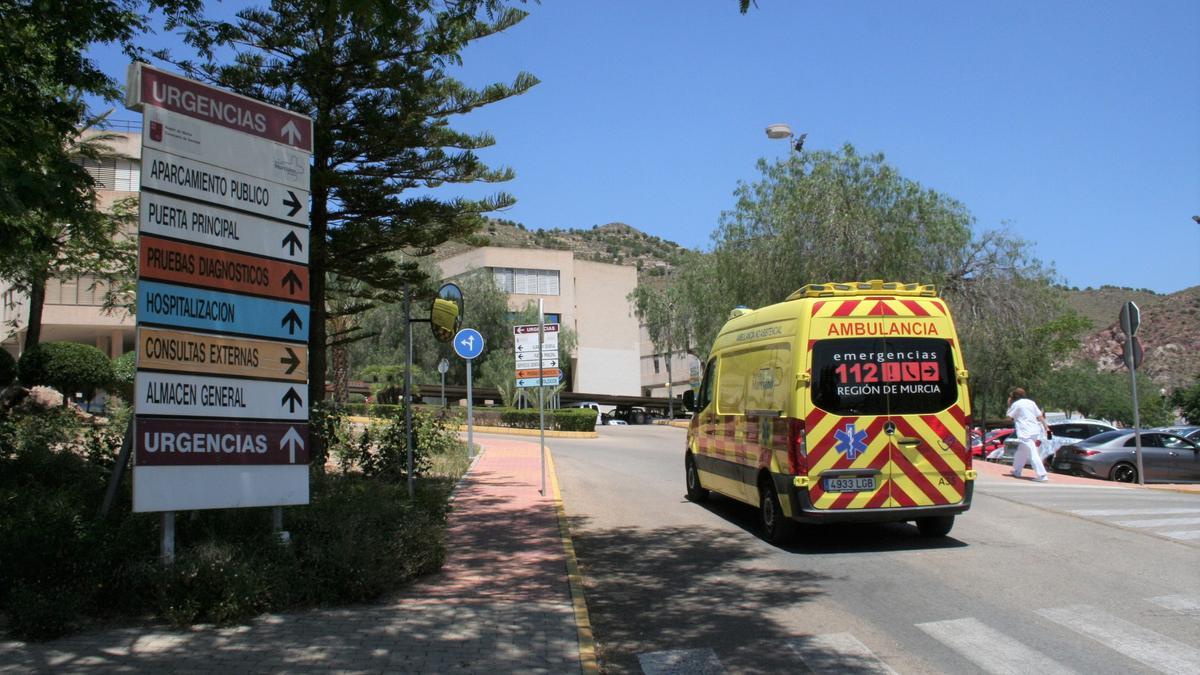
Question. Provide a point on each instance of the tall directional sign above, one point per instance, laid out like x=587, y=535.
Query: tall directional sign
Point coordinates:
x=530, y=361
x=221, y=395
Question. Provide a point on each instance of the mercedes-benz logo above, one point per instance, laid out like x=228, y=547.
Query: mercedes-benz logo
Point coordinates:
x=889, y=428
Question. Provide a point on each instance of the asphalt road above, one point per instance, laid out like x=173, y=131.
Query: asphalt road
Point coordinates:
x=1035, y=578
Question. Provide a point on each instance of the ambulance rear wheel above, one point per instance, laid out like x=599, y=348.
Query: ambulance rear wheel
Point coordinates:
x=936, y=526
x=695, y=492
x=777, y=528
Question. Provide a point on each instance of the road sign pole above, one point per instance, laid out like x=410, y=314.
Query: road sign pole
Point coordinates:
x=470, y=415
x=1137, y=426
x=167, y=552
x=541, y=393
x=408, y=434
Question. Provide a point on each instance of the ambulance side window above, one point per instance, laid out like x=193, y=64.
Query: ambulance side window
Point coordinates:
x=706, y=386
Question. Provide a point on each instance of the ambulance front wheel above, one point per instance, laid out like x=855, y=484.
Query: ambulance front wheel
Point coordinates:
x=695, y=492
x=937, y=526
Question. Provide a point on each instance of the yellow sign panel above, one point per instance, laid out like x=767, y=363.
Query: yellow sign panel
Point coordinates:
x=183, y=352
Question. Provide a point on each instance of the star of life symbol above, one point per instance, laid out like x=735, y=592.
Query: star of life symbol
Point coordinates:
x=850, y=442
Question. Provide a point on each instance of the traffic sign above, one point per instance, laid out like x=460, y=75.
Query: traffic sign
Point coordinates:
x=149, y=86
x=217, y=145
x=1131, y=352
x=177, y=351
x=468, y=343
x=178, y=395
x=534, y=372
x=1130, y=318
x=179, y=262
x=191, y=488
x=199, y=442
x=548, y=361
x=535, y=382
x=183, y=307
x=166, y=216
x=189, y=178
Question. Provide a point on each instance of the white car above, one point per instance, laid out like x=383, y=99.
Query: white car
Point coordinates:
x=1063, y=432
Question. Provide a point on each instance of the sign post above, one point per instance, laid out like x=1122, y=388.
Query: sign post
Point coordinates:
x=468, y=344
x=536, y=347
x=1131, y=318
x=221, y=409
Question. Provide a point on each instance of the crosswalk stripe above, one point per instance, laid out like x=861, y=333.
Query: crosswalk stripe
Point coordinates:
x=837, y=653
x=1132, y=512
x=1158, y=522
x=1185, y=535
x=681, y=662
x=989, y=649
x=1158, y=651
x=1184, y=604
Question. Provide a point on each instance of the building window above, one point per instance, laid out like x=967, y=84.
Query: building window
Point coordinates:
x=656, y=364
x=86, y=290
x=526, y=281
x=110, y=173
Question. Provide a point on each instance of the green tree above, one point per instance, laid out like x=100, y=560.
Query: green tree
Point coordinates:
x=375, y=79
x=1187, y=399
x=67, y=366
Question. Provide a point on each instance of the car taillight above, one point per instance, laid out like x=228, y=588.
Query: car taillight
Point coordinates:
x=797, y=451
x=1084, y=452
x=967, y=454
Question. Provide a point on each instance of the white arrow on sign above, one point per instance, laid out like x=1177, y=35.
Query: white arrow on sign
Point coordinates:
x=290, y=132
x=291, y=439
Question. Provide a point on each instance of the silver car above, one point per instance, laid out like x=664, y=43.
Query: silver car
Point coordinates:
x=1166, y=458
x=1063, y=432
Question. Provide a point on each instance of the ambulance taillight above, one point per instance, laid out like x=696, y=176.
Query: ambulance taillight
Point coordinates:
x=797, y=451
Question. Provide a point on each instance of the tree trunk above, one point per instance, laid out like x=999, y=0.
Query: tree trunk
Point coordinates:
x=341, y=374
x=37, y=299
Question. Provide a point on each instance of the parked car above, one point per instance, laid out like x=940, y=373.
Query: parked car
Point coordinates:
x=992, y=441
x=594, y=407
x=1062, y=433
x=1190, y=432
x=632, y=414
x=1166, y=458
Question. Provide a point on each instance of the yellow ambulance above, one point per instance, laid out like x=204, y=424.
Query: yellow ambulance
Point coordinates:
x=847, y=402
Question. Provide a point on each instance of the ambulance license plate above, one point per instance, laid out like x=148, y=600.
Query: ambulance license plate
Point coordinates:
x=850, y=484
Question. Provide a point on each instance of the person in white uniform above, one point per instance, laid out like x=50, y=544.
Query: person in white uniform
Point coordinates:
x=1029, y=426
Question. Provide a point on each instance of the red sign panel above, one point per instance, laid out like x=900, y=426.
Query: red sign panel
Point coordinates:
x=189, y=442
x=216, y=269
x=198, y=100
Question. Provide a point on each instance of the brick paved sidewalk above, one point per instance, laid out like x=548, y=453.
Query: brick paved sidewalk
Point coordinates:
x=502, y=603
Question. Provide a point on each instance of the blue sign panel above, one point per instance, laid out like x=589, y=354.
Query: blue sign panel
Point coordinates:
x=170, y=305
x=538, y=382
x=468, y=343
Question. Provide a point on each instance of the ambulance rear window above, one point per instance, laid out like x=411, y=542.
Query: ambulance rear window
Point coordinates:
x=876, y=376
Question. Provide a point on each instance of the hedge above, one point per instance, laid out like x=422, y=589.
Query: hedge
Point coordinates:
x=8, y=368
x=562, y=419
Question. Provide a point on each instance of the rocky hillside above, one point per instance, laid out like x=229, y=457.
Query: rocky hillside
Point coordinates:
x=1170, y=331
x=615, y=243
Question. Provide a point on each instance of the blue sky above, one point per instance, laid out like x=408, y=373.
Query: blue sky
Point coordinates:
x=1076, y=125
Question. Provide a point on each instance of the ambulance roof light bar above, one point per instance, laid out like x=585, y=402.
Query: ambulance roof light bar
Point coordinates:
x=863, y=288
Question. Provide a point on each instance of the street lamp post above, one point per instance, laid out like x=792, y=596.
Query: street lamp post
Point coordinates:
x=780, y=131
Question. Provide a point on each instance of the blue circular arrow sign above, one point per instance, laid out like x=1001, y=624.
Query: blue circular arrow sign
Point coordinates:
x=468, y=343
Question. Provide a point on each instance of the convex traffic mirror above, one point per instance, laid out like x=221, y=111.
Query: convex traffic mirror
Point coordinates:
x=445, y=316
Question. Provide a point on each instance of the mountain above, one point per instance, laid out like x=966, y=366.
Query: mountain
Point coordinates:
x=1170, y=330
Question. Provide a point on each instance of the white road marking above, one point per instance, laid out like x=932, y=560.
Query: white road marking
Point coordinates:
x=1158, y=651
x=837, y=653
x=1185, y=535
x=1132, y=512
x=991, y=650
x=681, y=662
x=1184, y=604
x=1158, y=522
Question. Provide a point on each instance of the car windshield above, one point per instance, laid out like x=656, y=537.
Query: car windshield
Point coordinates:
x=992, y=435
x=1109, y=435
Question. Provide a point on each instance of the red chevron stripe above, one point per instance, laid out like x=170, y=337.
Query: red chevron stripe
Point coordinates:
x=882, y=308
x=939, y=306
x=915, y=307
x=901, y=497
x=815, y=306
x=843, y=500
x=846, y=307
x=914, y=474
x=931, y=455
x=880, y=496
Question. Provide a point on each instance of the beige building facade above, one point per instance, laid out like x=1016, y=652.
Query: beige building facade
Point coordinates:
x=590, y=298
x=74, y=308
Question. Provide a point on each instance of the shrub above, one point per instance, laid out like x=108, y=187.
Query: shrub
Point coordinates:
x=67, y=366
x=562, y=419
x=8, y=368
x=124, y=368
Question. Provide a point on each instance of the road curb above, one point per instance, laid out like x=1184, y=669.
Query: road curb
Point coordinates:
x=583, y=622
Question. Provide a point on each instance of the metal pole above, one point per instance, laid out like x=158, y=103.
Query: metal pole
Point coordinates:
x=443, y=390
x=119, y=470
x=408, y=435
x=670, y=385
x=470, y=415
x=167, y=553
x=541, y=394
x=1137, y=422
